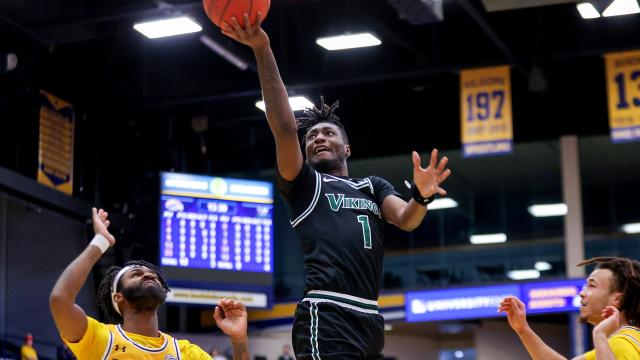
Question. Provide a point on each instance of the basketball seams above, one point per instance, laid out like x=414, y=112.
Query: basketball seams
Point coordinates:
x=223, y=11
x=220, y=11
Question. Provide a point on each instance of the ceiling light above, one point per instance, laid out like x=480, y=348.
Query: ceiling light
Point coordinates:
x=523, y=274
x=545, y=210
x=631, y=228
x=587, y=10
x=167, y=27
x=352, y=41
x=542, y=266
x=442, y=203
x=224, y=52
x=622, y=7
x=488, y=239
x=297, y=103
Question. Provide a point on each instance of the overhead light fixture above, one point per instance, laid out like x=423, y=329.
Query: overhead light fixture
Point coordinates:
x=587, y=10
x=542, y=266
x=224, y=52
x=167, y=27
x=523, y=274
x=297, y=103
x=622, y=7
x=352, y=41
x=442, y=203
x=488, y=239
x=546, y=210
x=631, y=228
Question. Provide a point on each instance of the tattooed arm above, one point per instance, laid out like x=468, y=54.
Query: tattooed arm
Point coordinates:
x=279, y=114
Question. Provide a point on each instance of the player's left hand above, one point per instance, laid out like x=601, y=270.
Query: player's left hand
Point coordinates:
x=231, y=318
x=611, y=321
x=428, y=179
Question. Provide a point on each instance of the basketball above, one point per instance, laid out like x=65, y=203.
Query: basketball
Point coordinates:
x=220, y=11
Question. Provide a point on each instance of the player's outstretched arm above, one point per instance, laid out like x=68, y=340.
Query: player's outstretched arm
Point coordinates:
x=409, y=215
x=279, y=114
x=517, y=317
x=231, y=318
x=70, y=318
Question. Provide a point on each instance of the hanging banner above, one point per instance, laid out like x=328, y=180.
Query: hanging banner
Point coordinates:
x=623, y=90
x=55, y=155
x=485, y=119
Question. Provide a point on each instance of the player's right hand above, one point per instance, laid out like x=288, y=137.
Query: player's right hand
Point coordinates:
x=231, y=318
x=101, y=225
x=516, y=313
x=610, y=322
x=252, y=36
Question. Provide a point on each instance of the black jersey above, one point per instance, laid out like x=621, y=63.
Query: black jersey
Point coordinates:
x=339, y=222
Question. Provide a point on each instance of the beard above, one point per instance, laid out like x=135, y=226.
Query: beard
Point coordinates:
x=145, y=298
x=327, y=165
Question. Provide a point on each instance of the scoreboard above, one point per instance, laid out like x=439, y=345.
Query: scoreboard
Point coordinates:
x=216, y=234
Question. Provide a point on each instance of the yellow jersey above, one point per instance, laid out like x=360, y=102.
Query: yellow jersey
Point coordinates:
x=625, y=344
x=28, y=352
x=111, y=342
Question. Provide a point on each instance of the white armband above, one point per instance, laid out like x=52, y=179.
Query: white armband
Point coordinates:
x=101, y=242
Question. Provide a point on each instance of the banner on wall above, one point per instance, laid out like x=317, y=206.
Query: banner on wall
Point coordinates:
x=55, y=153
x=485, y=116
x=623, y=93
x=482, y=302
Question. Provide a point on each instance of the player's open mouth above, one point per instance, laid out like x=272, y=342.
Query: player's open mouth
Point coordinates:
x=320, y=149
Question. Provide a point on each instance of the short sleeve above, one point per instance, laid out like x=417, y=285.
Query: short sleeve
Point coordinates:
x=191, y=351
x=94, y=341
x=623, y=349
x=382, y=188
x=304, y=181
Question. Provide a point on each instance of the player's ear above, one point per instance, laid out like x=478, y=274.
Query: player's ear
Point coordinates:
x=347, y=151
x=617, y=300
x=118, y=298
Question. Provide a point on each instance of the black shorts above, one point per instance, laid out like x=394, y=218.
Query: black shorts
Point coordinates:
x=328, y=330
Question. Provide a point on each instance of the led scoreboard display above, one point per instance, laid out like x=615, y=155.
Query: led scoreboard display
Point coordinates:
x=216, y=238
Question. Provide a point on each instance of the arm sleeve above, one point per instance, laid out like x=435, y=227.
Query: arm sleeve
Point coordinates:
x=300, y=193
x=623, y=349
x=304, y=181
x=93, y=343
x=382, y=188
x=192, y=351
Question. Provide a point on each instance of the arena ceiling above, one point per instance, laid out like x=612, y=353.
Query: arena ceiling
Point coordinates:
x=401, y=95
x=137, y=98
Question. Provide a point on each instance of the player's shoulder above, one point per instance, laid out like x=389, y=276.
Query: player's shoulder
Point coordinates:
x=192, y=351
x=630, y=334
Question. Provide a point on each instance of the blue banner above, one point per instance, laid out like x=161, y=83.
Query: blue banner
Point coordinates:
x=464, y=303
x=483, y=302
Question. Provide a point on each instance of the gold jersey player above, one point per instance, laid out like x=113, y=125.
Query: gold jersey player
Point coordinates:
x=129, y=297
x=339, y=219
x=610, y=301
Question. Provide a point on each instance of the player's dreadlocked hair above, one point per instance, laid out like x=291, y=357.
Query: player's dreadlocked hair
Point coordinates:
x=325, y=113
x=626, y=276
x=104, y=290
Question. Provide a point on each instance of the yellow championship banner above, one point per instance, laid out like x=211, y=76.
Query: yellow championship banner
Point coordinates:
x=55, y=154
x=623, y=90
x=485, y=116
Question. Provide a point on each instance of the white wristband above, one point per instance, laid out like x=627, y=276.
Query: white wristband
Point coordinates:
x=100, y=242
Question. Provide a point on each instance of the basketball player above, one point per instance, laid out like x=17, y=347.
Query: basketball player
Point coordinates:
x=610, y=302
x=339, y=219
x=129, y=298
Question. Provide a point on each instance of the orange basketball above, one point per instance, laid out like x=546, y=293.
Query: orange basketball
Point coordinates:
x=220, y=11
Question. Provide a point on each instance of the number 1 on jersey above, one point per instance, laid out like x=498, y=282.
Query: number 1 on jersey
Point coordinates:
x=366, y=230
